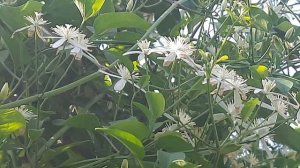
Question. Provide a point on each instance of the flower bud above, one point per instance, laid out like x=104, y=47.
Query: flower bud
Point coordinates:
x=289, y=33
x=4, y=91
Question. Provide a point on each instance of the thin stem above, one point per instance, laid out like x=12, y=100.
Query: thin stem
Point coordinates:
x=51, y=93
x=51, y=141
x=158, y=21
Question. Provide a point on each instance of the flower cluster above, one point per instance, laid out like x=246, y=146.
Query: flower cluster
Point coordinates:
x=67, y=37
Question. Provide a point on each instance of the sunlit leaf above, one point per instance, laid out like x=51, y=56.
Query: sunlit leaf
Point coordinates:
x=10, y=121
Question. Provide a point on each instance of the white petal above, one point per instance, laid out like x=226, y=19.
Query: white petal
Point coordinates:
x=298, y=116
x=257, y=90
x=132, y=52
x=58, y=43
x=120, y=85
x=169, y=59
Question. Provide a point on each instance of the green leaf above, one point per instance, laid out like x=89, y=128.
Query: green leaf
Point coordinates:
x=156, y=103
x=85, y=121
x=145, y=110
x=249, y=108
x=260, y=18
x=172, y=142
x=132, y=126
x=282, y=84
x=286, y=135
x=107, y=21
x=133, y=144
x=34, y=134
x=10, y=121
x=284, y=26
x=144, y=81
x=165, y=158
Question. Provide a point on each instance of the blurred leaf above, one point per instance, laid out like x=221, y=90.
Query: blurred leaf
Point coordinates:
x=284, y=26
x=165, y=159
x=10, y=121
x=85, y=121
x=282, y=84
x=133, y=144
x=60, y=12
x=108, y=21
x=172, y=19
x=132, y=126
x=156, y=103
x=144, y=81
x=286, y=135
x=228, y=148
x=128, y=36
x=145, y=110
x=3, y=55
x=249, y=108
x=56, y=152
x=172, y=142
x=34, y=134
x=260, y=18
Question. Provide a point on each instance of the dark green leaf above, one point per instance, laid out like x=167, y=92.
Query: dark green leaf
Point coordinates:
x=165, y=159
x=145, y=110
x=86, y=121
x=108, y=21
x=288, y=136
x=34, y=134
x=144, y=81
x=282, y=84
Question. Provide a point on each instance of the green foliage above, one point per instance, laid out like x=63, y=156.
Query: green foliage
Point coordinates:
x=213, y=85
x=133, y=144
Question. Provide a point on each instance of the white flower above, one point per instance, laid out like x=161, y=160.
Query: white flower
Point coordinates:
x=185, y=119
x=145, y=50
x=268, y=85
x=251, y=158
x=279, y=105
x=80, y=47
x=8, y=2
x=239, y=84
x=179, y=48
x=27, y=114
x=66, y=33
x=221, y=77
x=36, y=25
x=125, y=76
